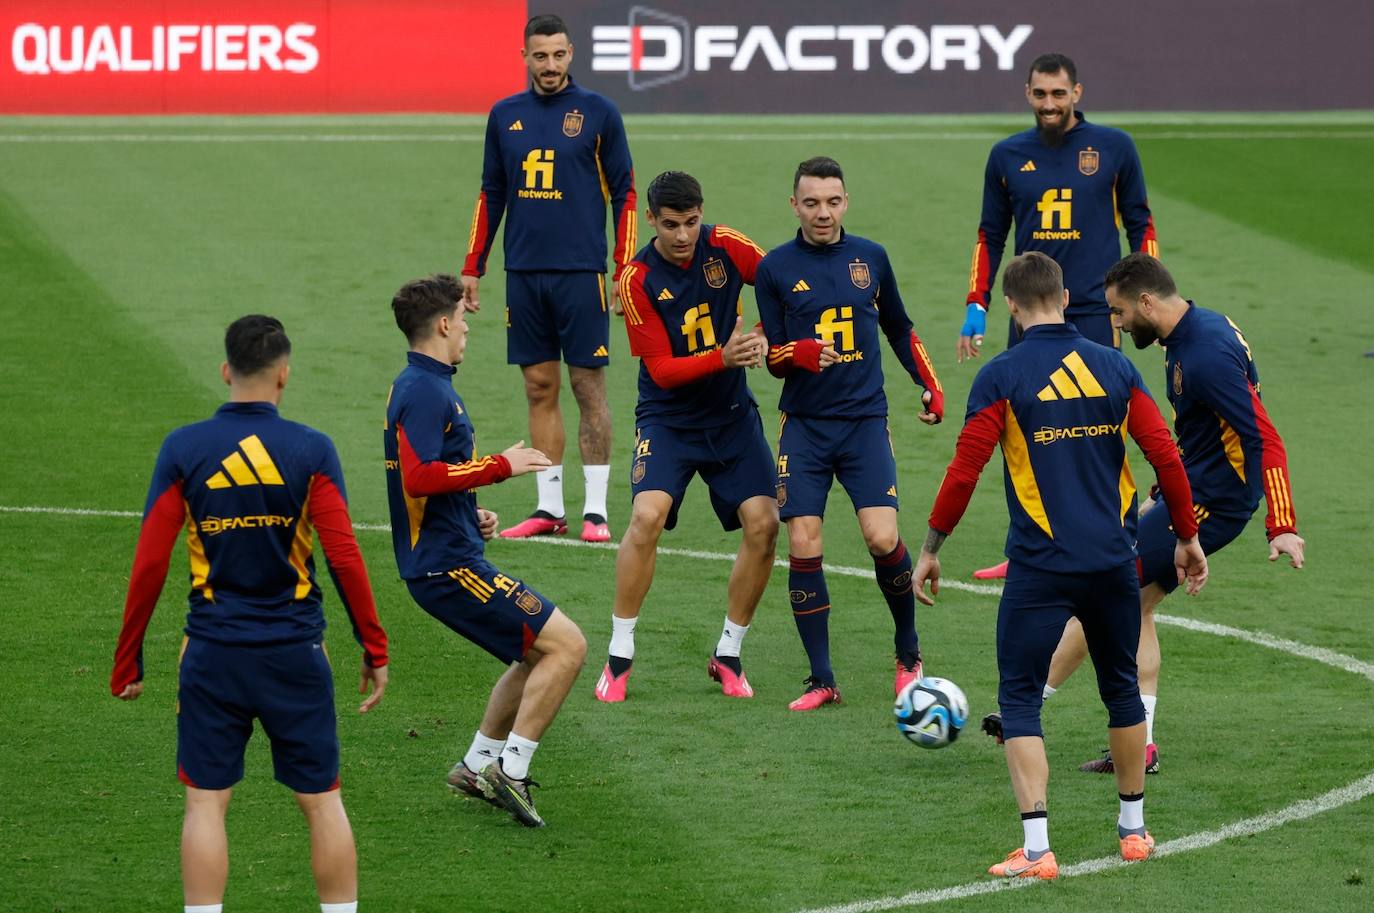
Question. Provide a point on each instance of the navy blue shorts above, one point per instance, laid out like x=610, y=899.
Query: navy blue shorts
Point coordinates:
x=813, y=452
x=1155, y=540
x=733, y=460
x=498, y=613
x=222, y=688
x=1097, y=327
x=1035, y=607
x=557, y=316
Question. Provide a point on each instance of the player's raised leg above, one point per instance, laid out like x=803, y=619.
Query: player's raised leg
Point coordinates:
x=892, y=568
x=542, y=385
x=634, y=572
x=333, y=855
x=490, y=738
x=594, y=443
x=204, y=847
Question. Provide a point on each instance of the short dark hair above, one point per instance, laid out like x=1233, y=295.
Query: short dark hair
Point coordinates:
x=820, y=166
x=1138, y=273
x=1053, y=63
x=674, y=190
x=546, y=24
x=419, y=301
x=255, y=343
x=1033, y=279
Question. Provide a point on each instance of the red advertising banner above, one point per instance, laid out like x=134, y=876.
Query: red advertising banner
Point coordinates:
x=258, y=56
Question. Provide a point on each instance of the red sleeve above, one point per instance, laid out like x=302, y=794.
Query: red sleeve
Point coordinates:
x=744, y=253
x=649, y=337
x=480, y=237
x=161, y=524
x=975, y=446
x=1146, y=425
x=436, y=477
x=799, y=353
x=925, y=369
x=980, y=273
x=626, y=232
x=1278, y=491
x=328, y=513
x=1149, y=242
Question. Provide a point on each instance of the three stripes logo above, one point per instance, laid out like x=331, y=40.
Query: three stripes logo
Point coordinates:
x=237, y=470
x=801, y=286
x=516, y=126
x=665, y=295
x=601, y=352
x=1062, y=386
x=1029, y=166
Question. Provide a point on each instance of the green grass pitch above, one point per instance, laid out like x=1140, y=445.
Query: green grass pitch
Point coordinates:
x=127, y=245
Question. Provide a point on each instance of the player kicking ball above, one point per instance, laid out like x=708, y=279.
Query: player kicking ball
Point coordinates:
x=695, y=416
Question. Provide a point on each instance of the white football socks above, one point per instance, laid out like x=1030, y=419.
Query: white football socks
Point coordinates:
x=549, y=482
x=1047, y=693
x=1149, y=701
x=623, y=637
x=483, y=751
x=595, y=480
x=731, y=639
x=204, y=908
x=350, y=907
x=515, y=757
x=1132, y=817
x=1037, y=833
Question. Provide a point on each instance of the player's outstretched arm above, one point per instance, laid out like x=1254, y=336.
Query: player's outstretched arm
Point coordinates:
x=1191, y=564
x=524, y=459
x=1290, y=544
x=993, y=226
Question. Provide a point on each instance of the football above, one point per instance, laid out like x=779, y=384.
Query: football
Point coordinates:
x=931, y=712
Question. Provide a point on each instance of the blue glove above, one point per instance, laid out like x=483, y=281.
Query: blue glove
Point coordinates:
x=975, y=321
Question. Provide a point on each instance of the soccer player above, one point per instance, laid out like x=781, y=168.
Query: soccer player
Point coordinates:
x=824, y=298
x=1230, y=449
x=555, y=156
x=695, y=416
x=1061, y=405
x=439, y=534
x=251, y=490
x=1070, y=186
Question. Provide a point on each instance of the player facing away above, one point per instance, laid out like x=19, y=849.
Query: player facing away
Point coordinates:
x=252, y=490
x=824, y=298
x=439, y=534
x=1070, y=186
x=695, y=416
x=1061, y=406
x=555, y=157
x=1230, y=449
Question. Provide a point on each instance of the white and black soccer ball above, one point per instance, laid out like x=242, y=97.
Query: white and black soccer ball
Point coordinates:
x=931, y=711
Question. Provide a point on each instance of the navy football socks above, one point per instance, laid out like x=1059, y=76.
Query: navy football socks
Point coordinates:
x=811, y=611
x=894, y=579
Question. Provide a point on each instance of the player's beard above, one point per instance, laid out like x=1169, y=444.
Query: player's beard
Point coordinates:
x=1144, y=337
x=1052, y=134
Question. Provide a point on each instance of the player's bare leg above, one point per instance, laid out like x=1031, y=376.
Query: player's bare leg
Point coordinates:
x=204, y=846
x=634, y=572
x=542, y=384
x=333, y=856
x=594, y=442
x=504, y=702
x=1030, y=775
x=753, y=565
x=892, y=567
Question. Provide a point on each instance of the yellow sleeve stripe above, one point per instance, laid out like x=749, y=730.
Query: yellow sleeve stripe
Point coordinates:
x=476, y=218
x=627, y=299
x=780, y=353
x=462, y=469
x=727, y=232
x=930, y=368
x=1280, y=497
x=973, y=269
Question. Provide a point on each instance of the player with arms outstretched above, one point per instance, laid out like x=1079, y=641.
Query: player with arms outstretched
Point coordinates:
x=1061, y=406
x=439, y=534
x=825, y=297
x=251, y=490
x=695, y=416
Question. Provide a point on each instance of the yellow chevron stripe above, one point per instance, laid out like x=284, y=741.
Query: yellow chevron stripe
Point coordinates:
x=1063, y=385
x=262, y=462
x=302, y=544
x=195, y=550
x=1126, y=482
x=601, y=289
x=238, y=469
x=1085, y=378
x=1046, y=394
x=1023, y=481
x=1235, y=453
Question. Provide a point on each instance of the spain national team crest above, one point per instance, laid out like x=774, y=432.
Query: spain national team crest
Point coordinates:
x=782, y=494
x=572, y=123
x=1178, y=378
x=715, y=272
x=529, y=603
x=637, y=473
x=1088, y=161
x=859, y=274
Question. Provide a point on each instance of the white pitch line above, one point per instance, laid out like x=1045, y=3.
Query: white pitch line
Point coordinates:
x=1298, y=811
x=737, y=137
